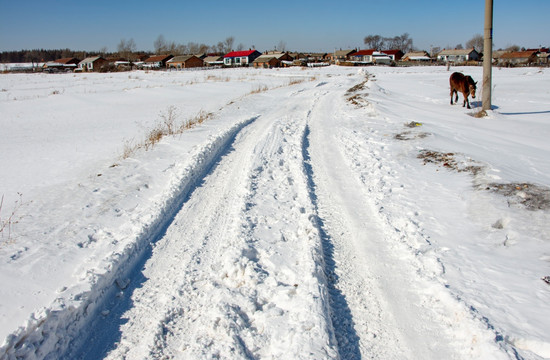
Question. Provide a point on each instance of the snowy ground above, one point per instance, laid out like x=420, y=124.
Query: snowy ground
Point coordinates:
x=317, y=214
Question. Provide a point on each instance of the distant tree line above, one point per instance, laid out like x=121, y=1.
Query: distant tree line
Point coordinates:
x=125, y=49
x=43, y=55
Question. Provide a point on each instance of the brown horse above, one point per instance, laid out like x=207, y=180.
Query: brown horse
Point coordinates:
x=463, y=83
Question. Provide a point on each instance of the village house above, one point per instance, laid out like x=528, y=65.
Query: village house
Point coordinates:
x=394, y=54
x=266, y=62
x=421, y=56
x=341, y=56
x=184, y=62
x=59, y=65
x=527, y=57
x=240, y=58
x=157, y=61
x=95, y=63
x=370, y=56
x=213, y=60
x=458, y=55
x=270, y=59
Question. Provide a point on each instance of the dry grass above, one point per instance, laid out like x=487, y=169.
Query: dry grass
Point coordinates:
x=6, y=223
x=169, y=124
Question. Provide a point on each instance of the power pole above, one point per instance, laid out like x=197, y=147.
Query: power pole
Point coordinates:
x=487, y=55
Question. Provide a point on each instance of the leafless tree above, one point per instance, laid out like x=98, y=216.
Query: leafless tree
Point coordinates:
x=228, y=44
x=402, y=42
x=126, y=48
x=374, y=41
x=160, y=45
x=281, y=46
x=476, y=42
x=512, y=48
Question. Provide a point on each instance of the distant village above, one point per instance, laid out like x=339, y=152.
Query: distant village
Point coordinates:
x=276, y=59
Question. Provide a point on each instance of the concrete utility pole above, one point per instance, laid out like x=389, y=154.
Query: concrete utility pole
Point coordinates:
x=487, y=55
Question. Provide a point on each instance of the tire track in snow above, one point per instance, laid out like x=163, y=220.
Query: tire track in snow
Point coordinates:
x=238, y=272
x=95, y=333
x=340, y=313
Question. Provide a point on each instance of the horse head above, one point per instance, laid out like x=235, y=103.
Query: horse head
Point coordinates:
x=472, y=86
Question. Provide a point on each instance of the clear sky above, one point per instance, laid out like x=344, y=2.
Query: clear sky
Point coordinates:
x=303, y=25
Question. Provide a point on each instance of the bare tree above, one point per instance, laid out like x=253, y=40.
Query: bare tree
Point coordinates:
x=160, y=45
x=103, y=50
x=281, y=46
x=402, y=42
x=476, y=42
x=126, y=48
x=459, y=47
x=512, y=48
x=374, y=41
x=228, y=44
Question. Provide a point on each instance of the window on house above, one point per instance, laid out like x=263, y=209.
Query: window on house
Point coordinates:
x=237, y=60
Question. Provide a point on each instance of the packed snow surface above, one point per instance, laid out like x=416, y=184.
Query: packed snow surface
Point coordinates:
x=309, y=214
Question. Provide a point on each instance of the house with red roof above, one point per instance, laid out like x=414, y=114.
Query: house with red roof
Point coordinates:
x=394, y=54
x=240, y=58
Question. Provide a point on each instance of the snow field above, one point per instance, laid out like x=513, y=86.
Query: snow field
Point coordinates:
x=298, y=222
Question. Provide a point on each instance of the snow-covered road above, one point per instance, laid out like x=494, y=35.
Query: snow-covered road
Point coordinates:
x=308, y=219
x=279, y=251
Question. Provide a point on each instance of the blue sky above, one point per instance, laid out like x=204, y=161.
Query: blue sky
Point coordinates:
x=302, y=25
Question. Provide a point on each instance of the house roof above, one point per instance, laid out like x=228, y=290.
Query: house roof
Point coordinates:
x=158, y=58
x=67, y=60
x=363, y=52
x=392, y=52
x=416, y=54
x=456, y=51
x=90, y=59
x=209, y=59
x=518, y=54
x=343, y=52
x=239, y=53
x=265, y=59
x=181, y=58
x=272, y=54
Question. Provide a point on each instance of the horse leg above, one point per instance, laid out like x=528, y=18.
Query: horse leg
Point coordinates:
x=466, y=101
x=452, y=96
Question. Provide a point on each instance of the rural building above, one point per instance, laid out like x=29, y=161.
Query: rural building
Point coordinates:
x=458, y=55
x=271, y=59
x=156, y=61
x=213, y=60
x=59, y=65
x=421, y=56
x=282, y=56
x=341, y=55
x=370, y=56
x=362, y=56
x=266, y=62
x=184, y=62
x=394, y=54
x=519, y=58
x=240, y=58
x=92, y=63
